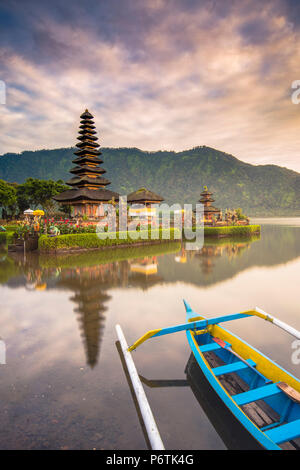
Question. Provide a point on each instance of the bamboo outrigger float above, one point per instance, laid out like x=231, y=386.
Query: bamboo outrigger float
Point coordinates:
x=265, y=381
x=148, y=419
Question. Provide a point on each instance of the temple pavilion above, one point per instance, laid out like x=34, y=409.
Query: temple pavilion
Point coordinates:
x=89, y=192
x=210, y=212
x=144, y=196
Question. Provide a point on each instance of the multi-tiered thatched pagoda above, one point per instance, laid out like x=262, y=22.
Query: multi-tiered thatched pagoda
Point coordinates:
x=210, y=212
x=88, y=191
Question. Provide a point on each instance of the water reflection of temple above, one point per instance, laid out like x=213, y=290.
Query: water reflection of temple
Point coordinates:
x=90, y=284
x=181, y=256
x=209, y=253
x=90, y=297
x=144, y=272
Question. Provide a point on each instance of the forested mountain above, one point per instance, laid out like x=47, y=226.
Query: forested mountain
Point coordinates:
x=177, y=176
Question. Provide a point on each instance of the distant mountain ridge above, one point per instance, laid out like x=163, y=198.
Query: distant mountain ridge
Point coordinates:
x=177, y=176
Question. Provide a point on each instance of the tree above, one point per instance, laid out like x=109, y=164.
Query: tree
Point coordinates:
x=35, y=192
x=240, y=215
x=8, y=196
x=23, y=200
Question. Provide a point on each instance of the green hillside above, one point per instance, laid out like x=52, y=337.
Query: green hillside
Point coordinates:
x=177, y=176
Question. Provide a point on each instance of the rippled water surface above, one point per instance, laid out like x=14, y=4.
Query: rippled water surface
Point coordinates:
x=64, y=386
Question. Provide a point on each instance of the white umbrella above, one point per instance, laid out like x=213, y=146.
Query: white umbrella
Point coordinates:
x=28, y=212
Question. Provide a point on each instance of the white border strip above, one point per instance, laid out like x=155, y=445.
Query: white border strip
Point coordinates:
x=150, y=424
x=281, y=324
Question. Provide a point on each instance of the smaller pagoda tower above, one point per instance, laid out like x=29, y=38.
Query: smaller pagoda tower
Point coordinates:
x=89, y=190
x=210, y=212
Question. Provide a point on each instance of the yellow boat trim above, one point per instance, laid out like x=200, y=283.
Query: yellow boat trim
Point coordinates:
x=201, y=332
x=143, y=338
x=246, y=312
x=263, y=364
x=190, y=320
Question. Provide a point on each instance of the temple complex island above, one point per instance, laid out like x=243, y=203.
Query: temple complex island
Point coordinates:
x=89, y=192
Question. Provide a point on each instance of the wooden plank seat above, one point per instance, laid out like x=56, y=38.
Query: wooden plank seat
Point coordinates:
x=209, y=347
x=285, y=432
x=232, y=367
x=289, y=391
x=256, y=394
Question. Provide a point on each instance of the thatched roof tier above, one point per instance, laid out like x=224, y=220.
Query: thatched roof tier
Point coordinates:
x=86, y=127
x=77, y=170
x=206, y=193
x=85, y=194
x=85, y=131
x=87, y=180
x=143, y=195
x=86, y=158
x=210, y=209
x=86, y=115
x=85, y=150
x=87, y=122
x=85, y=137
x=209, y=199
x=87, y=143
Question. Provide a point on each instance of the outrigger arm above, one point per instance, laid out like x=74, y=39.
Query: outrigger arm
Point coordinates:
x=198, y=323
x=284, y=326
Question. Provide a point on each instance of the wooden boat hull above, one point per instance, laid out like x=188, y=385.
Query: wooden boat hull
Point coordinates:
x=263, y=438
x=230, y=430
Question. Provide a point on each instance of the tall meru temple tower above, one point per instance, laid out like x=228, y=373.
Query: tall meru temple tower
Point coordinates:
x=209, y=211
x=88, y=191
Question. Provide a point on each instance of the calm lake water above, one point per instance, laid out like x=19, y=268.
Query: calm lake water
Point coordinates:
x=64, y=386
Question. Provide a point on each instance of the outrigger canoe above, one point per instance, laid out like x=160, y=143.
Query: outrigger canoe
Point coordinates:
x=263, y=382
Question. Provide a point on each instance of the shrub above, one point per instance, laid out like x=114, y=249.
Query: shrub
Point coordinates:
x=6, y=237
x=11, y=228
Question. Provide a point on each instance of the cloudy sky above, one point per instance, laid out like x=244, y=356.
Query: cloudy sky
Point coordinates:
x=156, y=74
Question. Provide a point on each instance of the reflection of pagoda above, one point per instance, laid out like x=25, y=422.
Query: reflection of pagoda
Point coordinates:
x=236, y=249
x=90, y=310
x=90, y=298
x=207, y=254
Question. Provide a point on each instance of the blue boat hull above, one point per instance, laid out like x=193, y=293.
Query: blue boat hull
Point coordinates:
x=288, y=426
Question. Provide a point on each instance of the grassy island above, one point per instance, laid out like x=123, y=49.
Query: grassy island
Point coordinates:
x=91, y=241
x=232, y=231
